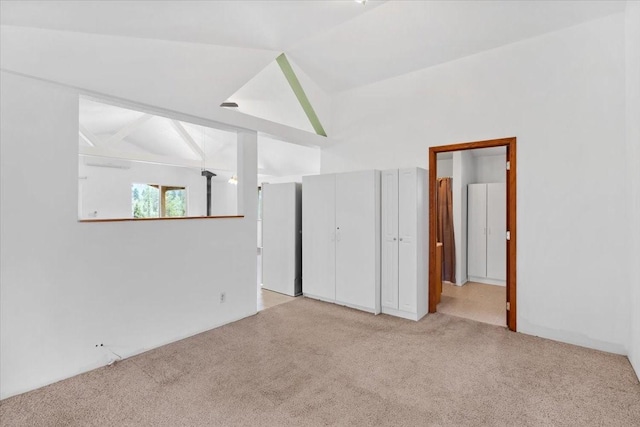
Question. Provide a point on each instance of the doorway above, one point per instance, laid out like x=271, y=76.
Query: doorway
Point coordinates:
x=435, y=270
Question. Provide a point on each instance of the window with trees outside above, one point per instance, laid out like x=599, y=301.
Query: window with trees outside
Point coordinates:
x=158, y=201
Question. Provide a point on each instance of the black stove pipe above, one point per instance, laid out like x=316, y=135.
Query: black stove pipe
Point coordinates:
x=208, y=175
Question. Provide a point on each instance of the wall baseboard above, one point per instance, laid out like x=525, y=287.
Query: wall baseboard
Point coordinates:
x=487, y=281
x=99, y=365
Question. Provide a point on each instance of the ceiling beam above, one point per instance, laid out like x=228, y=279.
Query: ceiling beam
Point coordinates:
x=187, y=139
x=300, y=94
x=148, y=158
x=128, y=129
x=88, y=136
x=85, y=139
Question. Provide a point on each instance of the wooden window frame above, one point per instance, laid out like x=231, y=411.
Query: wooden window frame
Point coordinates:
x=163, y=200
x=510, y=144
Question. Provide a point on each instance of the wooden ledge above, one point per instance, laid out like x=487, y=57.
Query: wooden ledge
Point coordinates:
x=158, y=219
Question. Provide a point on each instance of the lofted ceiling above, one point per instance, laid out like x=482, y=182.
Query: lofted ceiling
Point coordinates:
x=404, y=36
x=340, y=45
x=120, y=133
x=258, y=24
x=190, y=56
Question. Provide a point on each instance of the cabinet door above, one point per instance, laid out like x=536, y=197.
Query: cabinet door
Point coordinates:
x=408, y=223
x=497, y=231
x=279, y=237
x=356, y=239
x=318, y=243
x=477, y=230
x=390, y=239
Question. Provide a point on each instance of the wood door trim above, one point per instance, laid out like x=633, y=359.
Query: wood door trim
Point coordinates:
x=510, y=144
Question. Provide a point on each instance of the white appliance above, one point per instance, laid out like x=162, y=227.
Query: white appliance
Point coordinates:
x=405, y=240
x=341, y=245
x=487, y=233
x=282, y=238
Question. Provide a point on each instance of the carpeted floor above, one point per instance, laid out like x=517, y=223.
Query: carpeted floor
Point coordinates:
x=313, y=363
x=475, y=301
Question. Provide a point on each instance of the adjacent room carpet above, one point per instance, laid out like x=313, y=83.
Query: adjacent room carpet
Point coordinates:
x=475, y=301
x=308, y=363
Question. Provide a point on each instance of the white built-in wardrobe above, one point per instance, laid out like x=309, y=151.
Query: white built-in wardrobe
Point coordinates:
x=341, y=239
x=405, y=237
x=487, y=230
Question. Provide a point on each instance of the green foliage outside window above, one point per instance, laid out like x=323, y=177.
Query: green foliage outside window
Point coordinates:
x=145, y=201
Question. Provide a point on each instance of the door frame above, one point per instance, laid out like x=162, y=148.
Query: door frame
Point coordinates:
x=510, y=144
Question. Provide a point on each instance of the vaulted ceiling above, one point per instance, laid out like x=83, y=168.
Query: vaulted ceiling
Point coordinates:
x=120, y=133
x=339, y=44
x=190, y=56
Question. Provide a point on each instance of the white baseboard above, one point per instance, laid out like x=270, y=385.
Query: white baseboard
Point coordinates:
x=403, y=314
x=487, y=281
x=344, y=304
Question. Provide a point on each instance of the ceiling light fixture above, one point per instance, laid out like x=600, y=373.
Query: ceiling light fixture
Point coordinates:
x=229, y=104
x=360, y=1
x=233, y=180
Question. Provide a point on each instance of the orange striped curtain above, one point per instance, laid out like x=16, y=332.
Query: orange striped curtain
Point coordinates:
x=445, y=229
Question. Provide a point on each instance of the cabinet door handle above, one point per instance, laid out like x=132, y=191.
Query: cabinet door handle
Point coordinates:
x=394, y=239
x=401, y=239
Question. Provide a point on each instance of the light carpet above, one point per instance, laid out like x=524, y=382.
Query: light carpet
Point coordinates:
x=475, y=301
x=308, y=363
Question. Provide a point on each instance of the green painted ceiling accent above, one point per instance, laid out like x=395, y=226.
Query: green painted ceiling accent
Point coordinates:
x=290, y=75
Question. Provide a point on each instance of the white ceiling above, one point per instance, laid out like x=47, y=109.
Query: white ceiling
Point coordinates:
x=269, y=96
x=156, y=140
x=404, y=36
x=340, y=45
x=273, y=25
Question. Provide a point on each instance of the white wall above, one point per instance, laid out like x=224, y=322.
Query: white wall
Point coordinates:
x=445, y=168
x=107, y=191
x=66, y=286
x=633, y=162
x=463, y=174
x=280, y=179
x=563, y=96
x=490, y=169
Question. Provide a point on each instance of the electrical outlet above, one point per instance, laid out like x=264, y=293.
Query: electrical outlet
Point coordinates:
x=223, y=296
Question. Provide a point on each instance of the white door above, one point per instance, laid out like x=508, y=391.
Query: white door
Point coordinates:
x=279, y=237
x=390, y=239
x=356, y=239
x=496, y=231
x=408, y=221
x=318, y=242
x=477, y=230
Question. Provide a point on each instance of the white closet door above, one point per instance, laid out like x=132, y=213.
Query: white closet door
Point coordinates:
x=477, y=230
x=407, y=223
x=390, y=239
x=279, y=237
x=496, y=231
x=356, y=239
x=318, y=243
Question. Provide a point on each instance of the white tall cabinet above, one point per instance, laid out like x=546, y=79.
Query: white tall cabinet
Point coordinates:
x=405, y=218
x=282, y=238
x=341, y=244
x=487, y=229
